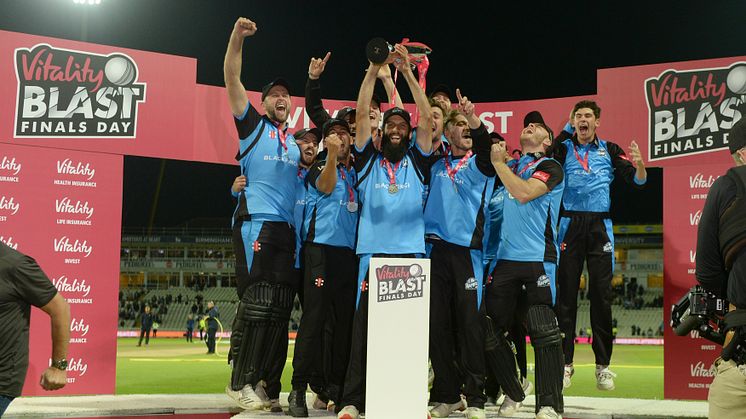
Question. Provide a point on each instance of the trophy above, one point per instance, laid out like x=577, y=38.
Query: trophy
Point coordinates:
x=379, y=51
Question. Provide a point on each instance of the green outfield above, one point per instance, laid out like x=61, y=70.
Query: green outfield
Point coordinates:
x=174, y=366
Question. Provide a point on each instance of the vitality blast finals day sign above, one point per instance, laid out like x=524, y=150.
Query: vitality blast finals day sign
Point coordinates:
x=398, y=320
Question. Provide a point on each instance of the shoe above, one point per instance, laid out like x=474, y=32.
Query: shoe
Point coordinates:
x=604, y=378
x=474, y=413
x=443, y=410
x=274, y=406
x=262, y=394
x=528, y=387
x=569, y=371
x=491, y=402
x=349, y=412
x=548, y=412
x=297, y=404
x=320, y=404
x=509, y=407
x=247, y=398
x=235, y=395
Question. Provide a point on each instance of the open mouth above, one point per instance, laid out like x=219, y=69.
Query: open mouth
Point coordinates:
x=395, y=138
x=280, y=107
x=583, y=129
x=466, y=134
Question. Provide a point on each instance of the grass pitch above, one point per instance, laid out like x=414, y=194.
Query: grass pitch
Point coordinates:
x=173, y=366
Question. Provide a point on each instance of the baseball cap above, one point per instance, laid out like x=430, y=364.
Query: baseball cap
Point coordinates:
x=302, y=133
x=496, y=136
x=276, y=82
x=397, y=111
x=737, y=136
x=533, y=117
x=347, y=110
x=441, y=88
x=334, y=122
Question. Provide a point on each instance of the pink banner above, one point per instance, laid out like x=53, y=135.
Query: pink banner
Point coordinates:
x=688, y=360
x=63, y=209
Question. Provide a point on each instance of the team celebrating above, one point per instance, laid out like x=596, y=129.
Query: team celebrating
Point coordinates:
x=507, y=236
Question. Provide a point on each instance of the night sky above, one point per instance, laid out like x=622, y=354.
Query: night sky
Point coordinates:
x=493, y=51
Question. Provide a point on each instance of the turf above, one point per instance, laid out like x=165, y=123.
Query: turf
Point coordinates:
x=173, y=366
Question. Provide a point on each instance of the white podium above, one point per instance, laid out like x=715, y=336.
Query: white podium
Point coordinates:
x=398, y=327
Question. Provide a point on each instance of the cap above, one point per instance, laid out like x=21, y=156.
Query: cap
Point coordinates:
x=441, y=88
x=334, y=122
x=347, y=110
x=276, y=82
x=737, y=136
x=397, y=111
x=302, y=133
x=377, y=100
x=497, y=136
x=533, y=117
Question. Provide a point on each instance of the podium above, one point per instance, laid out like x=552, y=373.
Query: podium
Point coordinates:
x=398, y=328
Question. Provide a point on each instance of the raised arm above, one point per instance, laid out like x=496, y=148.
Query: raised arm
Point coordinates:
x=232, y=65
x=384, y=74
x=327, y=180
x=482, y=142
x=364, y=96
x=425, y=123
x=314, y=105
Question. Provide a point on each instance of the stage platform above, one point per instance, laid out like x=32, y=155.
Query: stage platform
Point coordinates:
x=219, y=406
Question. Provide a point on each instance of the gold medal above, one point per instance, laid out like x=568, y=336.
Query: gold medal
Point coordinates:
x=393, y=188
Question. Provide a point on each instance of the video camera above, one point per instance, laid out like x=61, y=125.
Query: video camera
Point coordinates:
x=705, y=312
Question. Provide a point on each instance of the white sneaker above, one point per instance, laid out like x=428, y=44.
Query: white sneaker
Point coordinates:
x=474, y=413
x=509, y=406
x=604, y=378
x=569, y=371
x=262, y=394
x=348, y=412
x=548, y=412
x=232, y=393
x=528, y=387
x=247, y=399
x=319, y=404
x=443, y=410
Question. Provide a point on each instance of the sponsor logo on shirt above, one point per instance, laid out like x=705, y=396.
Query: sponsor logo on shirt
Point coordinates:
x=471, y=284
x=282, y=159
x=542, y=176
x=543, y=281
x=608, y=247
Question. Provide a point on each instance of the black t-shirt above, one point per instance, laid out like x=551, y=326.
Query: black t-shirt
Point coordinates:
x=710, y=271
x=22, y=284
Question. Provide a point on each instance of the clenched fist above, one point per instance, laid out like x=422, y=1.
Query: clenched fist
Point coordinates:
x=244, y=27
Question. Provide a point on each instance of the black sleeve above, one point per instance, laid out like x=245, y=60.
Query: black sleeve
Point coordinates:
x=710, y=266
x=550, y=172
x=559, y=151
x=423, y=162
x=314, y=172
x=361, y=158
x=314, y=106
x=248, y=123
x=622, y=165
x=32, y=284
x=482, y=146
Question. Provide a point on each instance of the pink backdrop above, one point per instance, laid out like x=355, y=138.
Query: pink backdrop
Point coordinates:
x=679, y=114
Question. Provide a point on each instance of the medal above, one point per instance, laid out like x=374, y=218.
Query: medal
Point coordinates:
x=352, y=206
x=392, y=175
x=453, y=171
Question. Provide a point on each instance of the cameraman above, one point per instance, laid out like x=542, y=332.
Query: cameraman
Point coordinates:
x=721, y=269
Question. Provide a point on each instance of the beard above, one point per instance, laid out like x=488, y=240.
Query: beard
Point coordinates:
x=272, y=114
x=393, y=152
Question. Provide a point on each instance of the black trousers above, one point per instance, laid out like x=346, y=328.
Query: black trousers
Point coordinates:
x=146, y=334
x=508, y=280
x=456, y=306
x=586, y=237
x=329, y=284
x=211, y=339
x=517, y=334
x=354, y=386
x=265, y=253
